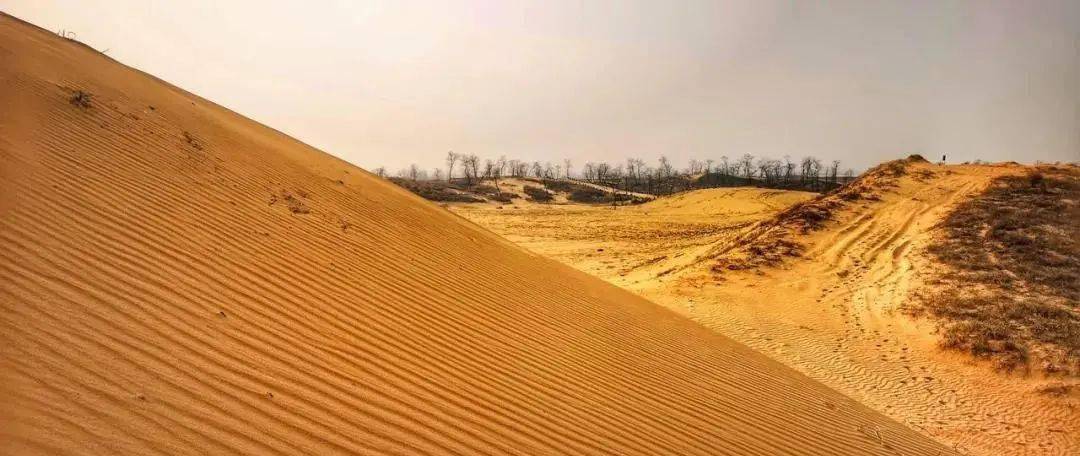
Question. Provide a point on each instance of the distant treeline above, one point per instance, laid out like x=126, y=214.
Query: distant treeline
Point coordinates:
x=539, y=190
x=635, y=175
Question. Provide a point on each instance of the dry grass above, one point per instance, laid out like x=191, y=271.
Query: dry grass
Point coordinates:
x=1011, y=285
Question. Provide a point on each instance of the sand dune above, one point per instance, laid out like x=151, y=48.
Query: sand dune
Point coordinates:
x=841, y=323
x=177, y=279
x=726, y=202
x=833, y=312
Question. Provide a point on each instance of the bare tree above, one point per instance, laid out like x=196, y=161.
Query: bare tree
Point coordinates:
x=746, y=163
x=566, y=167
x=664, y=172
x=789, y=169
x=695, y=167
x=471, y=165
x=497, y=171
x=665, y=169
x=805, y=165
x=763, y=170
x=380, y=171
x=602, y=171
x=587, y=171
x=770, y=171
x=815, y=171
x=413, y=172
x=451, y=159
x=811, y=170
x=437, y=173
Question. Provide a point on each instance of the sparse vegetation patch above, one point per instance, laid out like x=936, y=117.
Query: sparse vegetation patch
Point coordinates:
x=1010, y=289
x=81, y=99
x=502, y=197
x=437, y=191
x=537, y=194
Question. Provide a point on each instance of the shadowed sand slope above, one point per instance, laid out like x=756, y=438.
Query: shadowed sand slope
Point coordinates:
x=178, y=279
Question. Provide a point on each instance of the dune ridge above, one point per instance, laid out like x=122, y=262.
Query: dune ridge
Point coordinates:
x=177, y=279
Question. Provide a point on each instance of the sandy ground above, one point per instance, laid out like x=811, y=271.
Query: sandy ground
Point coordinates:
x=832, y=315
x=630, y=245
x=177, y=279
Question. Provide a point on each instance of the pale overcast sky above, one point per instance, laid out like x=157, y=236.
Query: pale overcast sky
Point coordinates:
x=389, y=83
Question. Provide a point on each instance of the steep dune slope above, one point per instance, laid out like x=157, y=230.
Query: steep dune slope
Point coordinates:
x=178, y=279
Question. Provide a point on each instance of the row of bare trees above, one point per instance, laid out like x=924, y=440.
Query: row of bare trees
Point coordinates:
x=808, y=173
x=472, y=170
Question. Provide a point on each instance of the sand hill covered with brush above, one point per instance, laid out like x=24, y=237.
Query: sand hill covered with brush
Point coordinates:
x=177, y=279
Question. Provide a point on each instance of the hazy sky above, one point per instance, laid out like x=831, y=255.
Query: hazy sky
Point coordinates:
x=388, y=83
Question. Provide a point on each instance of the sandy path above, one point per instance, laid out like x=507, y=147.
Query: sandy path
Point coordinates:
x=177, y=279
x=833, y=316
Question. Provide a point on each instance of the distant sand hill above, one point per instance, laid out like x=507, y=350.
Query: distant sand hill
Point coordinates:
x=177, y=279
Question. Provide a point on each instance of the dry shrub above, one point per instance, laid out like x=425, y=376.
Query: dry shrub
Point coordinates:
x=537, y=194
x=923, y=175
x=436, y=191
x=584, y=194
x=492, y=193
x=591, y=195
x=81, y=99
x=559, y=185
x=769, y=252
x=484, y=188
x=502, y=197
